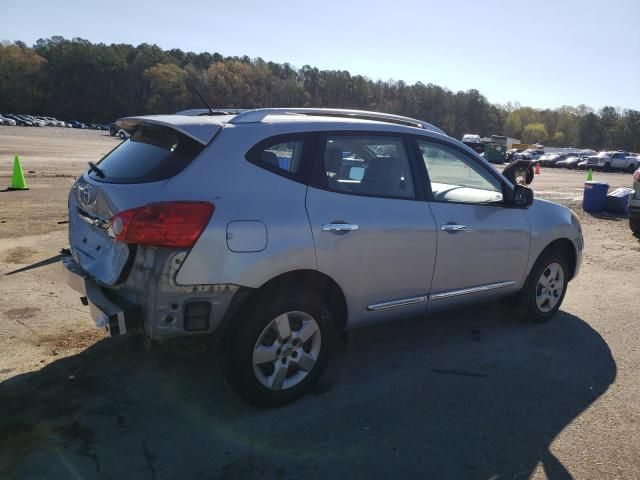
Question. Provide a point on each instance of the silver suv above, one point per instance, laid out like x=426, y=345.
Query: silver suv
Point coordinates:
x=276, y=229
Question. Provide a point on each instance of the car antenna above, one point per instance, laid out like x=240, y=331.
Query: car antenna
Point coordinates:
x=194, y=90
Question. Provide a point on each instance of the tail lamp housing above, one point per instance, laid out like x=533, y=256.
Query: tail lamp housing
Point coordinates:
x=165, y=224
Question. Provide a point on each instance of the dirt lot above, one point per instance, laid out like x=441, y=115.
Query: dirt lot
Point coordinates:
x=470, y=394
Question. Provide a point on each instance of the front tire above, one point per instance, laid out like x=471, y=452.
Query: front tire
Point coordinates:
x=545, y=288
x=275, y=353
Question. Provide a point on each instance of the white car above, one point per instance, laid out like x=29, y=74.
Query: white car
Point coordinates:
x=7, y=121
x=275, y=229
x=470, y=138
x=532, y=154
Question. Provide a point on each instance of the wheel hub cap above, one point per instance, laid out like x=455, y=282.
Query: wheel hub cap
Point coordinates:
x=550, y=287
x=287, y=350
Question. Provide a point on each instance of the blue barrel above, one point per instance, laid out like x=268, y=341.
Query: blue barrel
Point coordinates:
x=595, y=196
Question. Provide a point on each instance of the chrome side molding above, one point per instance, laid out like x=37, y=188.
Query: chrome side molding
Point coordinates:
x=470, y=290
x=397, y=303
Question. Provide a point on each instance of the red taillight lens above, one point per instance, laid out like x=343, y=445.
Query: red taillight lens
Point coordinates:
x=170, y=224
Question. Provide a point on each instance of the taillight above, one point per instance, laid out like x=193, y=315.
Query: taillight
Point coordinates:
x=170, y=224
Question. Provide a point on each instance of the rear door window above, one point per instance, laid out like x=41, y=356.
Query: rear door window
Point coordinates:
x=151, y=154
x=371, y=165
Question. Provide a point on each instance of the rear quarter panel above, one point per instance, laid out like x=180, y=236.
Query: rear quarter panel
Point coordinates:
x=244, y=192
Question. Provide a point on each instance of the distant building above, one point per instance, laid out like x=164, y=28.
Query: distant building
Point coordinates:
x=511, y=141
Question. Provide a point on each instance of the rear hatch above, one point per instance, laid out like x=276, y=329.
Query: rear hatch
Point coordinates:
x=133, y=174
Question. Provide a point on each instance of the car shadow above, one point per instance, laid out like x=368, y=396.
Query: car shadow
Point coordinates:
x=41, y=263
x=612, y=217
x=473, y=393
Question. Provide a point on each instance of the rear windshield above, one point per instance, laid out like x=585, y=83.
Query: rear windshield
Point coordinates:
x=151, y=154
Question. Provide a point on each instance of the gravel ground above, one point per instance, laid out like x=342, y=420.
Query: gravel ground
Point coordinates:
x=473, y=393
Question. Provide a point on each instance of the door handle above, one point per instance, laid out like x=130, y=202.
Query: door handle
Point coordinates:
x=339, y=227
x=454, y=227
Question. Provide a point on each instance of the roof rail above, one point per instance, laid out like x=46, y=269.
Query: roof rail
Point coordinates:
x=259, y=114
x=194, y=112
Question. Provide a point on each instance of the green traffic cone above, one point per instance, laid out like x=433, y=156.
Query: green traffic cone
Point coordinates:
x=17, y=179
x=590, y=175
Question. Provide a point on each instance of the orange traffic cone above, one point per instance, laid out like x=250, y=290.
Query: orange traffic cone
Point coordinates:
x=537, y=169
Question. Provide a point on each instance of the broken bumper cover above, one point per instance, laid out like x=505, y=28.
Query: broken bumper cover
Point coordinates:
x=116, y=319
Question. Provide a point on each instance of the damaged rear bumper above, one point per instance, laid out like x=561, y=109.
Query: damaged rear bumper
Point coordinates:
x=115, y=318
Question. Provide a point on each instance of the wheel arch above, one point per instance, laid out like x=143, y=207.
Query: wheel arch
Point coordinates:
x=246, y=298
x=567, y=247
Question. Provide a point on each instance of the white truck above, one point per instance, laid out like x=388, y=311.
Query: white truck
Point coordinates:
x=618, y=160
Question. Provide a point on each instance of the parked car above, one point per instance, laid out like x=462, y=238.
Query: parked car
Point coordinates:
x=76, y=124
x=583, y=165
x=474, y=142
x=634, y=204
x=45, y=121
x=469, y=137
x=34, y=121
x=613, y=160
x=572, y=160
x=510, y=153
x=550, y=159
x=20, y=120
x=276, y=229
x=632, y=163
x=532, y=154
x=54, y=122
x=7, y=121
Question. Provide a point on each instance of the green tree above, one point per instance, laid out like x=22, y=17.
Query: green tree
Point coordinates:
x=558, y=139
x=97, y=82
x=535, y=133
x=168, y=90
x=22, y=75
x=518, y=119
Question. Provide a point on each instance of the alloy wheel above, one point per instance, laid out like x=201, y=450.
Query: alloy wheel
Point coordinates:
x=549, y=287
x=287, y=350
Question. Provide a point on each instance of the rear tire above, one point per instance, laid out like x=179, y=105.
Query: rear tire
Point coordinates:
x=122, y=135
x=276, y=352
x=545, y=288
x=631, y=168
x=634, y=224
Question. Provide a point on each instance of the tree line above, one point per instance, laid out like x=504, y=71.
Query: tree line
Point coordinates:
x=78, y=79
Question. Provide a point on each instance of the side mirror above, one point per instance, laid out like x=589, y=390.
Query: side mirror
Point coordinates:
x=522, y=196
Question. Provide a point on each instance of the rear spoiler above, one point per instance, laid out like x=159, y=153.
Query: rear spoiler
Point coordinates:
x=200, y=129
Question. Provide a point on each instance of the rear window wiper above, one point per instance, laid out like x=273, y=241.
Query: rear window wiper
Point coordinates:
x=98, y=171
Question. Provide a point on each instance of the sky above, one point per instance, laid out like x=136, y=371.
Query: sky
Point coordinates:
x=541, y=53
